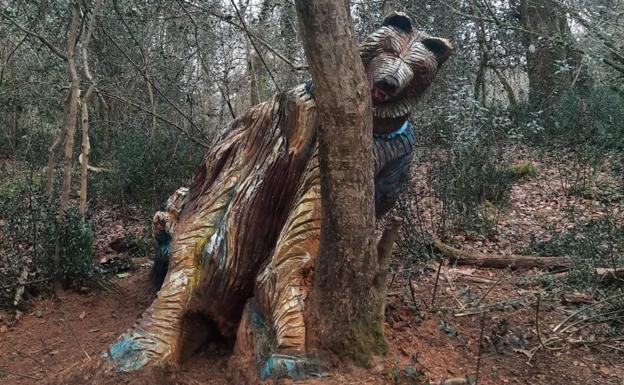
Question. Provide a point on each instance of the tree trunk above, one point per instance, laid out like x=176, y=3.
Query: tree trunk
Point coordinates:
x=69, y=132
x=347, y=306
x=548, y=27
x=50, y=166
x=84, y=106
x=104, y=110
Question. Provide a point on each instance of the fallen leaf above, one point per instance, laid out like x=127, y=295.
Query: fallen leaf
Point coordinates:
x=83, y=314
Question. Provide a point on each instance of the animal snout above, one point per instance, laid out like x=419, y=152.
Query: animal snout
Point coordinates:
x=387, y=84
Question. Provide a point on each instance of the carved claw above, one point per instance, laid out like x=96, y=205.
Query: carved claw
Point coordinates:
x=282, y=365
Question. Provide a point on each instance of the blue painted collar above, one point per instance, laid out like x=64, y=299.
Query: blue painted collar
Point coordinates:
x=395, y=133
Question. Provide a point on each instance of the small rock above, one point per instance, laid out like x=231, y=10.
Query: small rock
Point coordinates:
x=455, y=381
x=377, y=364
x=3, y=329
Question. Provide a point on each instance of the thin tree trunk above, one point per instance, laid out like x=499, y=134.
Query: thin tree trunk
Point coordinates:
x=152, y=103
x=84, y=106
x=85, y=151
x=480, y=79
x=50, y=167
x=104, y=111
x=347, y=306
x=69, y=131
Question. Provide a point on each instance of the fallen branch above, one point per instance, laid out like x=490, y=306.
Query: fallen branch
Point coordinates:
x=610, y=275
x=3, y=370
x=75, y=336
x=462, y=257
x=25, y=283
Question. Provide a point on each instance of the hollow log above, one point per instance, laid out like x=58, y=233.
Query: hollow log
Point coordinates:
x=462, y=257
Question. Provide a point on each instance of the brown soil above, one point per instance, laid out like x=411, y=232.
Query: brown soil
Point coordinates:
x=427, y=343
x=57, y=335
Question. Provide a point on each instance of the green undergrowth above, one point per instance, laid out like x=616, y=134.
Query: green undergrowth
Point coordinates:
x=598, y=243
x=30, y=232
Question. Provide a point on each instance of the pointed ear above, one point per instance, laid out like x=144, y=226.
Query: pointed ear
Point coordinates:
x=398, y=20
x=441, y=48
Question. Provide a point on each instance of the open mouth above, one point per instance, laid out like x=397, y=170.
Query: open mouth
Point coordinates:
x=378, y=95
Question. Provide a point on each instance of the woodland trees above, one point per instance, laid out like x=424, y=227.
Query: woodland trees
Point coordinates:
x=155, y=80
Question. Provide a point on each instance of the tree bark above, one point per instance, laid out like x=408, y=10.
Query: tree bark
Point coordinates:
x=104, y=110
x=69, y=130
x=84, y=107
x=347, y=307
x=548, y=26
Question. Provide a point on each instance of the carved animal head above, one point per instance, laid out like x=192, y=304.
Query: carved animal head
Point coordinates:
x=401, y=63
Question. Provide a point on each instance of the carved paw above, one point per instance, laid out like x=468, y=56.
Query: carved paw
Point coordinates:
x=282, y=365
x=132, y=352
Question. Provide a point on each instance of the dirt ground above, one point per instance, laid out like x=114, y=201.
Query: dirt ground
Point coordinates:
x=430, y=340
x=426, y=343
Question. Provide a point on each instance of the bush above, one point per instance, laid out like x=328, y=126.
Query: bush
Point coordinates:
x=145, y=171
x=598, y=243
x=472, y=176
x=590, y=121
x=28, y=236
x=463, y=140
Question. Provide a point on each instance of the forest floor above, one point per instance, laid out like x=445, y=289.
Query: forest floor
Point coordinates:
x=432, y=337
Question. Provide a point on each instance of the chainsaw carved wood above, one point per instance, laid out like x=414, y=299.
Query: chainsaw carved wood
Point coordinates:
x=238, y=246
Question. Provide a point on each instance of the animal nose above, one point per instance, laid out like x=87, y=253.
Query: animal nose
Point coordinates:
x=388, y=84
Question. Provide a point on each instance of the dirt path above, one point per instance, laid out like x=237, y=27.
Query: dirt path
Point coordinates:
x=425, y=343
x=53, y=335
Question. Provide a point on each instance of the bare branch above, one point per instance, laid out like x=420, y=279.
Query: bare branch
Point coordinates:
x=203, y=64
x=240, y=17
x=228, y=19
x=159, y=117
x=42, y=39
x=147, y=79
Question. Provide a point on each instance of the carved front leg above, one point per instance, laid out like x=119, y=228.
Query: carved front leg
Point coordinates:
x=272, y=333
x=158, y=334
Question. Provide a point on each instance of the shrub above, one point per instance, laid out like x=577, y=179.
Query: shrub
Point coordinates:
x=598, y=243
x=465, y=153
x=472, y=176
x=590, y=121
x=144, y=170
x=28, y=236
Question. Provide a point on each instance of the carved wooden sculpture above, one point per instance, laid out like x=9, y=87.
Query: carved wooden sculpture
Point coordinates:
x=239, y=245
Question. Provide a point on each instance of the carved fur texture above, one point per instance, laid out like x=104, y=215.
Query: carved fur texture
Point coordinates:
x=401, y=63
x=239, y=247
